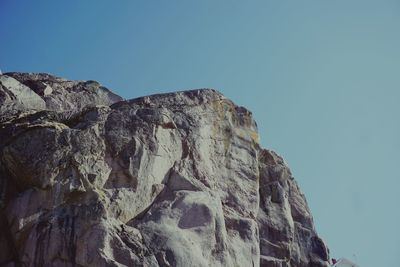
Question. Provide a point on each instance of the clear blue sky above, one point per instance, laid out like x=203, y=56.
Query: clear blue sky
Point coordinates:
x=321, y=77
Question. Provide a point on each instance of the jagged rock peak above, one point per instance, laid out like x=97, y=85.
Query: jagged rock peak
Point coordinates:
x=177, y=179
x=193, y=97
x=41, y=91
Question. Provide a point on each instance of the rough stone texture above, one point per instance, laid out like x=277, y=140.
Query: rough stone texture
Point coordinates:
x=179, y=179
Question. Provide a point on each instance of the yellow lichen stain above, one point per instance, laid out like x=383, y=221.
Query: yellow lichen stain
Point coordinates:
x=255, y=137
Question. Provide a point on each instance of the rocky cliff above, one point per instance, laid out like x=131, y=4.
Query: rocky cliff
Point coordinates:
x=178, y=179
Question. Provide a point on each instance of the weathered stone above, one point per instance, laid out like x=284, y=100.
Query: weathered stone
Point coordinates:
x=178, y=179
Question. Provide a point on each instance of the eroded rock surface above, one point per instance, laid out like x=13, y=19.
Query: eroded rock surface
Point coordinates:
x=178, y=179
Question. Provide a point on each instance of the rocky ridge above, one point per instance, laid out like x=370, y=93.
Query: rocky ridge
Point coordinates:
x=177, y=179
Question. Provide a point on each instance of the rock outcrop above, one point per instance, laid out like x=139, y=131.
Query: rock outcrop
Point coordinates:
x=178, y=179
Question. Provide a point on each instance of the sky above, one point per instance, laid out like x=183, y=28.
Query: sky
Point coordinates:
x=321, y=78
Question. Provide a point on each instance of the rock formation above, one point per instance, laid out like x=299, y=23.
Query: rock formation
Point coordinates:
x=177, y=179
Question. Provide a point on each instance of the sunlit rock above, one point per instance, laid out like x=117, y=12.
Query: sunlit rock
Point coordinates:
x=178, y=179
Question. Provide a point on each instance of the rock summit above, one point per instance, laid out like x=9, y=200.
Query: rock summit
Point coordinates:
x=178, y=179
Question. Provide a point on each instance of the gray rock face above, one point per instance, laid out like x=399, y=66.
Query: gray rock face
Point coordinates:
x=35, y=92
x=179, y=179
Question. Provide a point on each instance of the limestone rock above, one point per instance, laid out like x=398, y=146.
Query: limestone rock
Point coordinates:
x=178, y=179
